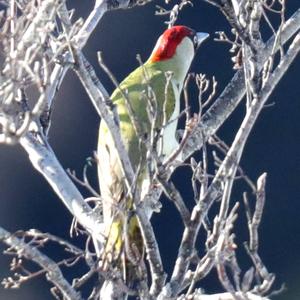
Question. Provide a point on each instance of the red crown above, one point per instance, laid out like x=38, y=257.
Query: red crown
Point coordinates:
x=170, y=39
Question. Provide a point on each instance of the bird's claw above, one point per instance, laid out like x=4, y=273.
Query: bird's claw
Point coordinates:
x=192, y=123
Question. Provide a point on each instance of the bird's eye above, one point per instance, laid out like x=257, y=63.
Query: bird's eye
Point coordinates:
x=195, y=40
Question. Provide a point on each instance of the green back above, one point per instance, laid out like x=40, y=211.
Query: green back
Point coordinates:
x=136, y=86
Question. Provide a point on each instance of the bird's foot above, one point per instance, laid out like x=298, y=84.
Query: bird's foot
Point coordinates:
x=192, y=123
x=151, y=202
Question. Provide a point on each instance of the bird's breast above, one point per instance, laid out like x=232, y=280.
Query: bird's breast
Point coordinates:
x=169, y=141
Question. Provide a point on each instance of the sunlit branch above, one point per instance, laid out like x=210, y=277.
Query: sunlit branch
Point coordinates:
x=54, y=274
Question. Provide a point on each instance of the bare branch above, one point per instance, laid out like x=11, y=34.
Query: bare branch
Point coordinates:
x=54, y=274
x=45, y=161
x=234, y=92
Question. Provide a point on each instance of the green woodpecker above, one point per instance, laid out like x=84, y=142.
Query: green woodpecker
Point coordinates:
x=173, y=53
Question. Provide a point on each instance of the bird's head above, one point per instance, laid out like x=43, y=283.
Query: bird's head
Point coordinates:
x=177, y=44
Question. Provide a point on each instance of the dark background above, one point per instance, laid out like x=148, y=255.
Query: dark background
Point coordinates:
x=26, y=201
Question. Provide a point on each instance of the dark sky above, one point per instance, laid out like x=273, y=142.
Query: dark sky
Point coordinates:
x=27, y=202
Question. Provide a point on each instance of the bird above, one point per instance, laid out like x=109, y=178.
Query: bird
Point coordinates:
x=173, y=54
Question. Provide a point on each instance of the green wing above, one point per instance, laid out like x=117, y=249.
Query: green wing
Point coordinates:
x=136, y=87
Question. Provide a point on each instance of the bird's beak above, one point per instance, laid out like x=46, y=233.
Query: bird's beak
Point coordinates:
x=200, y=37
